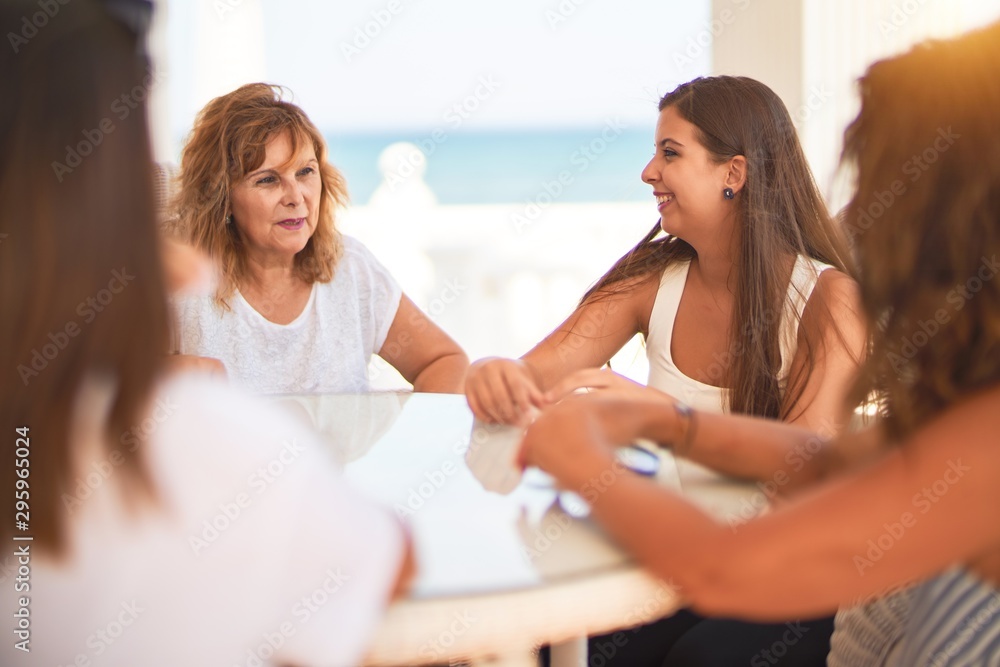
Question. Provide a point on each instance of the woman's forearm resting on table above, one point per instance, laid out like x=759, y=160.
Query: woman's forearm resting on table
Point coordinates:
x=735, y=445
x=827, y=548
x=444, y=375
x=423, y=353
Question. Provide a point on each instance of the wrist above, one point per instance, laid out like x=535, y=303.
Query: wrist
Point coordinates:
x=532, y=372
x=685, y=431
x=672, y=424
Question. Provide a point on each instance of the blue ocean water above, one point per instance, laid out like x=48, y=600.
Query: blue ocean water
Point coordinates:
x=602, y=164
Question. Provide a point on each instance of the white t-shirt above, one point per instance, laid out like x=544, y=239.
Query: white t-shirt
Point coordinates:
x=257, y=553
x=326, y=349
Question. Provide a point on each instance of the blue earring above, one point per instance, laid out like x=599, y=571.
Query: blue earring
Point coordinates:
x=728, y=193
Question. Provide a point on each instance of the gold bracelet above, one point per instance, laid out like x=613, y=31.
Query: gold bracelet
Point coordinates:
x=686, y=416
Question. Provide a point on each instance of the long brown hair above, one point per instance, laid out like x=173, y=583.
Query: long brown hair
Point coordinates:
x=81, y=288
x=780, y=212
x=229, y=141
x=925, y=219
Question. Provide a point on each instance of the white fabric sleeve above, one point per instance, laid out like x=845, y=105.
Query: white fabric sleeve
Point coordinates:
x=313, y=560
x=384, y=292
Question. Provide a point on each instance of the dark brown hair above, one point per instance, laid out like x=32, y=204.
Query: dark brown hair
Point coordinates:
x=780, y=211
x=76, y=187
x=925, y=219
x=229, y=141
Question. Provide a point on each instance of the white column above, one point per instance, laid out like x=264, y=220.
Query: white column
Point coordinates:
x=842, y=39
x=812, y=52
x=762, y=39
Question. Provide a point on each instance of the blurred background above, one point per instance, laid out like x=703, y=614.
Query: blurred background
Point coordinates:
x=493, y=150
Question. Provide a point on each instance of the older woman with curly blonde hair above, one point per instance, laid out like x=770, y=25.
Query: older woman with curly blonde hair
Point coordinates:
x=299, y=306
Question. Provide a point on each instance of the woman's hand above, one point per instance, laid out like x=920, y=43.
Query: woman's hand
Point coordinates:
x=503, y=391
x=598, y=379
x=189, y=363
x=573, y=441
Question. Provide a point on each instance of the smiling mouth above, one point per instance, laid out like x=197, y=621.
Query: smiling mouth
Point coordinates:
x=292, y=223
x=663, y=200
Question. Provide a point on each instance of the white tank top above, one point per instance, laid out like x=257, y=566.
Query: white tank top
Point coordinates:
x=738, y=502
x=664, y=374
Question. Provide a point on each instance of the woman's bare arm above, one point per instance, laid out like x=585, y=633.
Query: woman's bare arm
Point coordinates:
x=911, y=513
x=423, y=353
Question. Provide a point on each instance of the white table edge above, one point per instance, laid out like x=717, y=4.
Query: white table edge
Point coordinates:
x=439, y=630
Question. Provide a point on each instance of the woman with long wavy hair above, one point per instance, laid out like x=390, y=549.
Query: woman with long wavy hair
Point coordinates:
x=742, y=291
x=300, y=307
x=730, y=288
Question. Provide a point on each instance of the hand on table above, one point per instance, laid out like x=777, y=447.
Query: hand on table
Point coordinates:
x=575, y=439
x=188, y=363
x=572, y=441
x=503, y=391
x=607, y=383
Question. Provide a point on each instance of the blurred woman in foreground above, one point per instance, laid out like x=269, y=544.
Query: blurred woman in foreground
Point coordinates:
x=150, y=524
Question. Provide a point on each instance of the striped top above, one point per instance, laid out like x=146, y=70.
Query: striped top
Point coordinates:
x=870, y=634
x=954, y=621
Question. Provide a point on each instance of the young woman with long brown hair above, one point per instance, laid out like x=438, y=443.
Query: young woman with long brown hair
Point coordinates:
x=729, y=288
x=742, y=291
x=911, y=499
